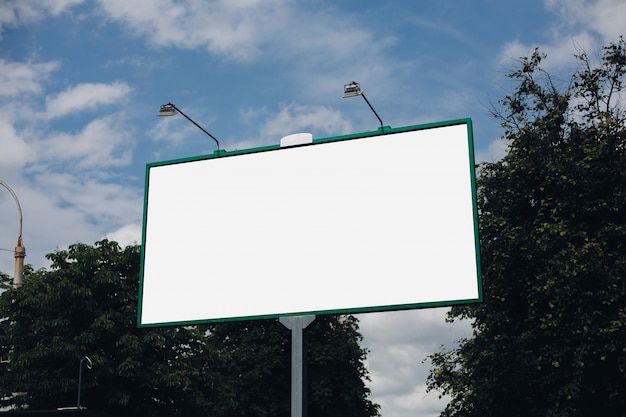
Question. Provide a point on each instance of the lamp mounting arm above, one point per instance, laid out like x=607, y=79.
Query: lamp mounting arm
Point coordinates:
x=376, y=114
x=172, y=106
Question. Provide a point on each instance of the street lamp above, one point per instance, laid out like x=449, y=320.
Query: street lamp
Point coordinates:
x=354, y=89
x=20, y=250
x=89, y=365
x=170, y=109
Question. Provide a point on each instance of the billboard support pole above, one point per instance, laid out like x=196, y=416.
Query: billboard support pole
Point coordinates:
x=297, y=324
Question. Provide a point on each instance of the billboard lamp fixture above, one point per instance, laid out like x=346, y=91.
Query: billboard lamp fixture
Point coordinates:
x=170, y=109
x=353, y=89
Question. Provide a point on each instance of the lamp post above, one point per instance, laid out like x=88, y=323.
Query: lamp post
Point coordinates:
x=20, y=250
x=353, y=89
x=89, y=365
x=170, y=109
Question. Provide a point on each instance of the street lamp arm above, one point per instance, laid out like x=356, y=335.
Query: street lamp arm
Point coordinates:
x=19, y=209
x=197, y=125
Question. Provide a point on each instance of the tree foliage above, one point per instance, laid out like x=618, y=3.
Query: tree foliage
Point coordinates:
x=256, y=358
x=550, y=337
x=86, y=305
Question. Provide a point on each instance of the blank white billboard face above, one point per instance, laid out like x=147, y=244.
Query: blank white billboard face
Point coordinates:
x=368, y=224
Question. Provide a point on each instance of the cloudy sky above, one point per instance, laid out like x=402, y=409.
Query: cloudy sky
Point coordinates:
x=81, y=82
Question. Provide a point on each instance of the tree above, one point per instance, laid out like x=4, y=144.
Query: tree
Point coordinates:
x=86, y=305
x=550, y=337
x=256, y=363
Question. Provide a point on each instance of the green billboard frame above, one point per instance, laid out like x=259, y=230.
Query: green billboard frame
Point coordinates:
x=381, y=132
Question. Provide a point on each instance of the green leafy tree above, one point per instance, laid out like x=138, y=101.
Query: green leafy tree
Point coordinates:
x=336, y=371
x=550, y=337
x=257, y=371
x=86, y=305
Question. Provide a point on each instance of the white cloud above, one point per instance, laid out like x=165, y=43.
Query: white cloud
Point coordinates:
x=418, y=400
x=584, y=25
x=85, y=96
x=398, y=343
x=129, y=234
x=345, y=51
x=251, y=114
x=233, y=29
x=321, y=121
x=560, y=52
x=102, y=142
x=19, y=78
x=496, y=150
x=298, y=41
x=298, y=118
x=94, y=198
x=605, y=17
x=15, y=151
x=20, y=12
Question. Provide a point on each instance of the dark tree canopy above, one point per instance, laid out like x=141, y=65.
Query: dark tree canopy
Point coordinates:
x=256, y=357
x=550, y=337
x=86, y=305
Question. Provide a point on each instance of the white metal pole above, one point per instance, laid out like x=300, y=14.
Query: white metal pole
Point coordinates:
x=297, y=324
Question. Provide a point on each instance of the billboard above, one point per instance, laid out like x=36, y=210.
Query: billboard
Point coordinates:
x=374, y=221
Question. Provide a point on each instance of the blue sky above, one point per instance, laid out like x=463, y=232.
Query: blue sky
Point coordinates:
x=81, y=83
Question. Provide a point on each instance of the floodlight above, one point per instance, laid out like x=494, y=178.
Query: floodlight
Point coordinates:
x=352, y=90
x=170, y=109
x=167, y=110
